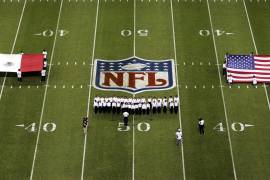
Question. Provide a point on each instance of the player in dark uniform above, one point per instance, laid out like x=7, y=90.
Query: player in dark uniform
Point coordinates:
x=85, y=124
x=201, y=126
x=125, y=115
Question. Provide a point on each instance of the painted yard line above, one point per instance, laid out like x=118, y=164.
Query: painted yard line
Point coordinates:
x=13, y=46
x=254, y=43
x=90, y=89
x=178, y=93
x=133, y=143
x=221, y=89
x=45, y=93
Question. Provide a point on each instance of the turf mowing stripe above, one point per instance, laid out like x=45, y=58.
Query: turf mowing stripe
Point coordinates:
x=176, y=69
x=133, y=116
x=134, y=28
x=13, y=46
x=45, y=93
x=254, y=43
x=222, y=93
x=90, y=88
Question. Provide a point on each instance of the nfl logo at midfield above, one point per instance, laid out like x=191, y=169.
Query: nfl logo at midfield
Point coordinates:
x=134, y=75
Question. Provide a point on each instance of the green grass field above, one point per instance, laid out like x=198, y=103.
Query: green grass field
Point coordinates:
x=195, y=33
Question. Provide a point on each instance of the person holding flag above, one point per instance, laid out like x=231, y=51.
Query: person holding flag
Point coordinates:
x=19, y=75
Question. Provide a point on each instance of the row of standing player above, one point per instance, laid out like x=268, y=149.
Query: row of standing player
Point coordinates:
x=135, y=105
x=42, y=72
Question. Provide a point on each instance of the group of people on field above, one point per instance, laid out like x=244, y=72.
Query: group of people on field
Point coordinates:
x=42, y=72
x=229, y=76
x=136, y=105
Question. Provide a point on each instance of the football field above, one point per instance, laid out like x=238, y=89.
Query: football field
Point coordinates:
x=41, y=134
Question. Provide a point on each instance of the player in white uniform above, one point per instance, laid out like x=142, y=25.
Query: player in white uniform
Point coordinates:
x=149, y=100
x=148, y=107
x=159, y=105
x=154, y=105
x=109, y=106
x=176, y=104
x=95, y=106
x=43, y=74
x=179, y=137
x=104, y=106
x=118, y=105
x=230, y=79
x=125, y=115
x=164, y=104
x=19, y=75
x=254, y=80
x=113, y=106
x=144, y=108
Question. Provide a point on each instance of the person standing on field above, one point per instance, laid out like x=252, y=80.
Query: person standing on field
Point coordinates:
x=19, y=75
x=125, y=115
x=201, y=126
x=85, y=124
x=179, y=137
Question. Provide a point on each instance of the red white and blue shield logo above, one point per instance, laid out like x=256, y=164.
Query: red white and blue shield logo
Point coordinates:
x=134, y=75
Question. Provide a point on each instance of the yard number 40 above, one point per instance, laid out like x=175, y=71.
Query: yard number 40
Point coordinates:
x=47, y=127
x=236, y=126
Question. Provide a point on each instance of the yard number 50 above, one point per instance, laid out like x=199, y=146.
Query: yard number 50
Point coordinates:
x=140, y=32
x=143, y=127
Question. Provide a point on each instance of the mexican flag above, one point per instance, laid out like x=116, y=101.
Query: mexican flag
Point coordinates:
x=24, y=62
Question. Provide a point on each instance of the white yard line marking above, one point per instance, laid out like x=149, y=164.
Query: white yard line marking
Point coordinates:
x=179, y=111
x=221, y=89
x=254, y=43
x=13, y=46
x=45, y=93
x=90, y=89
x=133, y=143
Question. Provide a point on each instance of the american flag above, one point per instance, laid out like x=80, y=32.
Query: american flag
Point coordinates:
x=243, y=68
